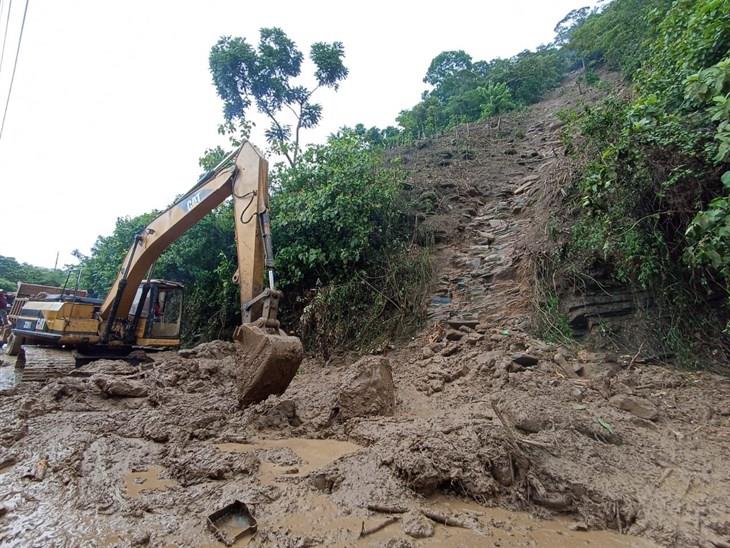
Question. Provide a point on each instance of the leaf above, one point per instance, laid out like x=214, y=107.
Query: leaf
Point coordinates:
x=726, y=179
x=605, y=425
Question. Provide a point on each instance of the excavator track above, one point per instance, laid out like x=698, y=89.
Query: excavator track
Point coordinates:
x=41, y=363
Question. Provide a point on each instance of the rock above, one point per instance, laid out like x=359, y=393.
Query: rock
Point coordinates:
x=142, y=538
x=119, y=388
x=486, y=237
x=367, y=389
x=281, y=415
x=417, y=526
x=454, y=335
x=451, y=350
x=635, y=405
x=426, y=353
x=457, y=323
x=456, y=373
x=513, y=367
x=7, y=459
x=474, y=338
x=525, y=360
x=435, y=385
x=578, y=369
x=437, y=346
x=487, y=359
x=578, y=526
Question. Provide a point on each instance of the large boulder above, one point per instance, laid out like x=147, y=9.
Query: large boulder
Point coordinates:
x=367, y=389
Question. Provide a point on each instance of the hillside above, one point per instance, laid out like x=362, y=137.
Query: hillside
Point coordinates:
x=482, y=421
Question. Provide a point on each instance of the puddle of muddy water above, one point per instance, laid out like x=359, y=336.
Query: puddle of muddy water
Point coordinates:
x=146, y=480
x=313, y=453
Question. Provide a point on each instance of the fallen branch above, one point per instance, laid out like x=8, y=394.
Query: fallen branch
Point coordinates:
x=375, y=528
x=385, y=509
x=442, y=519
x=636, y=356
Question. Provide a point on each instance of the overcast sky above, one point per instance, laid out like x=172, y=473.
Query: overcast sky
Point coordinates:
x=113, y=103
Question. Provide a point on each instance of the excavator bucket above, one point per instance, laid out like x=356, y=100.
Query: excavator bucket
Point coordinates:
x=266, y=362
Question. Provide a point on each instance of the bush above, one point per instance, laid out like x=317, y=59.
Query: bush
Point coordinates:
x=336, y=212
x=341, y=237
x=652, y=208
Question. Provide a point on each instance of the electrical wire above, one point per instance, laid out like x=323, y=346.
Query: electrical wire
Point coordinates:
x=15, y=66
x=5, y=35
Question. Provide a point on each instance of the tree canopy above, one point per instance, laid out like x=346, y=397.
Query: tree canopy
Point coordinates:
x=265, y=75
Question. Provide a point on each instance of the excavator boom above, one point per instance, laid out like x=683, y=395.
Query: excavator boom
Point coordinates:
x=268, y=358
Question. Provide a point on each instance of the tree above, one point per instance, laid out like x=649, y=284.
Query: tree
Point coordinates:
x=446, y=65
x=264, y=76
x=565, y=27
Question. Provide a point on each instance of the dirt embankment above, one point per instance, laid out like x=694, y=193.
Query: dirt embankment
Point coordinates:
x=440, y=441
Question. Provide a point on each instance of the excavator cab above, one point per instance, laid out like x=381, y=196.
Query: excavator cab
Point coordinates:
x=156, y=313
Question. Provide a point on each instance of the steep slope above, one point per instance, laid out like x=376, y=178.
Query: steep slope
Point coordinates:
x=472, y=413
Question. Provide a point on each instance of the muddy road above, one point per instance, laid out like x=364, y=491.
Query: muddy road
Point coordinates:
x=472, y=433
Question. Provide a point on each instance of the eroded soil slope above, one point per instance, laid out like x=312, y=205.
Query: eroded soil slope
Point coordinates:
x=469, y=421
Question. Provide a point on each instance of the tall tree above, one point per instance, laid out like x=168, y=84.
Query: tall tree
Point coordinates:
x=264, y=75
x=447, y=64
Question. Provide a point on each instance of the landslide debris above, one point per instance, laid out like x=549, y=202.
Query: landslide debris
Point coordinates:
x=473, y=413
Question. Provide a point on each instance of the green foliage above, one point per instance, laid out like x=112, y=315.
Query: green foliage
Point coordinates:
x=567, y=26
x=468, y=91
x=336, y=212
x=495, y=99
x=373, y=306
x=620, y=34
x=11, y=272
x=552, y=324
x=653, y=208
x=341, y=237
x=264, y=76
x=448, y=67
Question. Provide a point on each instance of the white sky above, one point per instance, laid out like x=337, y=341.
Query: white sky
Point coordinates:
x=113, y=103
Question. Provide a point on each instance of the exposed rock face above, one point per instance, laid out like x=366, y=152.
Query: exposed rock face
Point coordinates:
x=367, y=389
x=640, y=407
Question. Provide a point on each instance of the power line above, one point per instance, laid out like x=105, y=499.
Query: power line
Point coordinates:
x=15, y=66
x=5, y=36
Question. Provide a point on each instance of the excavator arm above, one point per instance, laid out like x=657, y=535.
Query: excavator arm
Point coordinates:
x=246, y=181
x=268, y=359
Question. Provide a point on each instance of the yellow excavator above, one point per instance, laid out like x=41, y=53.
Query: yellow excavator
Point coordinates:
x=55, y=334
